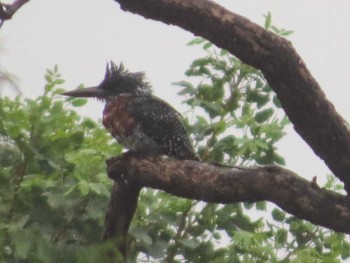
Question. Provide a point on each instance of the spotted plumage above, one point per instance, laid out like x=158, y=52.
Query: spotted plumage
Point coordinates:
x=138, y=120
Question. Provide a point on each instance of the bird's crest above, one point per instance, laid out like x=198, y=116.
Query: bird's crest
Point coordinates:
x=119, y=80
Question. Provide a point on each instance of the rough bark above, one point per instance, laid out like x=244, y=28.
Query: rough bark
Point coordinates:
x=8, y=10
x=312, y=115
x=211, y=183
x=121, y=209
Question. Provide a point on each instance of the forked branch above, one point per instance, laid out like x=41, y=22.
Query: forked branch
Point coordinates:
x=312, y=115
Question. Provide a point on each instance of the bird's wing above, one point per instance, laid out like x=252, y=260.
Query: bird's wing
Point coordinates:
x=163, y=124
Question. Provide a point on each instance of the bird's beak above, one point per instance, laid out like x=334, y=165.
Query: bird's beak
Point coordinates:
x=86, y=93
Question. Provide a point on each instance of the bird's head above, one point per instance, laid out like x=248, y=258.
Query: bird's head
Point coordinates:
x=117, y=81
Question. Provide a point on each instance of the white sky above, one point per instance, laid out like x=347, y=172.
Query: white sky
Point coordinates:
x=81, y=35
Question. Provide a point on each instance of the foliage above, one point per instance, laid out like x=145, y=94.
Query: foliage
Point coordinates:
x=54, y=190
x=236, y=119
x=239, y=123
x=52, y=177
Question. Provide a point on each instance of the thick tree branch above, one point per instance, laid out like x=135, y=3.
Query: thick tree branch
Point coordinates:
x=8, y=10
x=313, y=116
x=211, y=183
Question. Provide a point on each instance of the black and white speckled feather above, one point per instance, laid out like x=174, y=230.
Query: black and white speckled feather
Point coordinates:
x=163, y=124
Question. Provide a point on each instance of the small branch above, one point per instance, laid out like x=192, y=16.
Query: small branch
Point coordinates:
x=313, y=116
x=8, y=78
x=171, y=250
x=210, y=183
x=8, y=10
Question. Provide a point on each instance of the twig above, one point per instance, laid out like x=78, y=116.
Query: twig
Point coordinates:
x=8, y=10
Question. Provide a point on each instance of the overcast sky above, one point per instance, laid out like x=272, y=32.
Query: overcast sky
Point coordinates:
x=81, y=35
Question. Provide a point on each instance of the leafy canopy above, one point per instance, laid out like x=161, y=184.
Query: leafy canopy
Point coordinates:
x=54, y=191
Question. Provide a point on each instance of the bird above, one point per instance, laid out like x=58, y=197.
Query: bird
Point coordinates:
x=137, y=119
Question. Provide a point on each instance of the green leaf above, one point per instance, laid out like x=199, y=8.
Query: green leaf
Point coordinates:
x=253, y=95
x=207, y=45
x=279, y=159
x=189, y=243
x=281, y=236
x=23, y=244
x=278, y=215
x=84, y=187
x=276, y=134
x=277, y=102
x=268, y=20
x=200, y=62
x=217, y=235
x=223, y=52
x=204, y=71
x=48, y=78
x=261, y=206
x=89, y=123
x=99, y=188
x=275, y=29
x=264, y=115
x=59, y=91
x=345, y=252
x=79, y=102
x=248, y=205
x=213, y=109
x=49, y=72
x=262, y=100
x=142, y=236
x=261, y=144
x=209, y=93
x=59, y=81
x=76, y=139
x=196, y=41
x=189, y=89
x=286, y=32
x=226, y=145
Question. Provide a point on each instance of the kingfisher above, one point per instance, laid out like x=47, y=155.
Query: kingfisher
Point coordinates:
x=138, y=120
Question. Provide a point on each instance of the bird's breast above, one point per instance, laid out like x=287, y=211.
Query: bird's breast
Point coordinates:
x=117, y=119
x=124, y=127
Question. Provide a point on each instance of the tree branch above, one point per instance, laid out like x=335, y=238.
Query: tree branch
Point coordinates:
x=312, y=115
x=8, y=10
x=209, y=183
x=121, y=209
